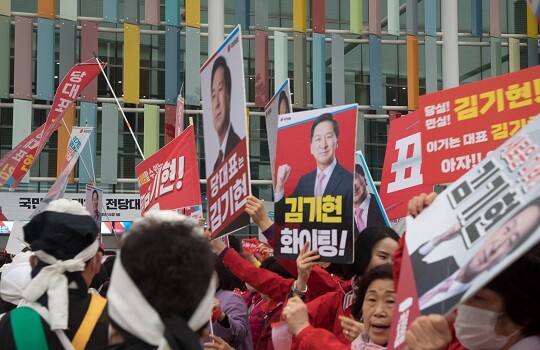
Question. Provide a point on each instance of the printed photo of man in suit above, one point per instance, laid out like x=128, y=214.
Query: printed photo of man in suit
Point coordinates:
x=366, y=209
x=328, y=178
x=221, y=109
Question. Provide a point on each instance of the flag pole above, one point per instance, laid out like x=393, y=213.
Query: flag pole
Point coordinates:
x=121, y=110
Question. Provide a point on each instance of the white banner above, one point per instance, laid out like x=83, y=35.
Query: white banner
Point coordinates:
x=118, y=207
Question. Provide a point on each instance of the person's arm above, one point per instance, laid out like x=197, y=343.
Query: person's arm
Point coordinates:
x=234, y=326
x=217, y=344
x=255, y=209
x=264, y=281
x=307, y=336
x=322, y=310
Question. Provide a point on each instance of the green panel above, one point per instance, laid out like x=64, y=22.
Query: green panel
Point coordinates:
x=151, y=130
x=356, y=17
x=5, y=7
x=5, y=62
x=496, y=60
x=22, y=125
x=68, y=9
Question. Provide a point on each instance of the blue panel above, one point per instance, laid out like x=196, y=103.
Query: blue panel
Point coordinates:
x=45, y=59
x=338, y=70
x=242, y=13
x=88, y=117
x=172, y=64
x=375, y=72
x=110, y=11
x=430, y=17
x=172, y=12
x=412, y=17
x=68, y=51
x=319, y=71
x=532, y=52
x=476, y=18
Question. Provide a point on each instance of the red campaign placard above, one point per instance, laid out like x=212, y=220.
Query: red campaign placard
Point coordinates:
x=226, y=190
x=460, y=125
x=169, y=179
x=406, y=307
x=250, y=245
x=403, y=176
x=18, y=161
x=306, y=209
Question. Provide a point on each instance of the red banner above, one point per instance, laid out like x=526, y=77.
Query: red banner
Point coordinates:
x=17, y=162
x=402, y=175
x=460, y=125
x=227, y=189
x=169, y=179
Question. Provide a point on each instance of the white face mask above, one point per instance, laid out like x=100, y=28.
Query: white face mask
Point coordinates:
x=475, y=329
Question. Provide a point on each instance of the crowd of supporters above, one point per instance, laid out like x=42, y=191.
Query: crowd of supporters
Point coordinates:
x=171, y=287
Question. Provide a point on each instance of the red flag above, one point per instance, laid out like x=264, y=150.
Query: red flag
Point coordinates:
x=15, y=165
x=169, y=179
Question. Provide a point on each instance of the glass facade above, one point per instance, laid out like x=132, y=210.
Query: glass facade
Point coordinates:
x=474, y=64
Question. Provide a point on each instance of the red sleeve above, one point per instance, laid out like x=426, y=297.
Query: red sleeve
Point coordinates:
x=321, y=282
x=264, y=281
x=322, y=311
x=398, y=256
x=311, y=338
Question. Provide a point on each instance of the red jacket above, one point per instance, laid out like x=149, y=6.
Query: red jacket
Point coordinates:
x=311, y=338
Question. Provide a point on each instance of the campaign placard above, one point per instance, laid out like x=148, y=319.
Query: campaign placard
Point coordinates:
x=477, y=227
x=368, y=208
x=403, y=174
x=280, y=103
x=225, y=141
x=314, y=182
x=169, y=179
x=460, y=125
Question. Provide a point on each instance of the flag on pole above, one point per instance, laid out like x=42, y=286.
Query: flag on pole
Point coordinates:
x=79, y=138
x=15, y=164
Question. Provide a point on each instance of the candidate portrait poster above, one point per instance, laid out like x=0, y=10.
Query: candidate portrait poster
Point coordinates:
x=169, y=179
x=94, y=205
x=477, y=227
x=225, y=141
x=460, y=125
x=314, y=182
x=280, y=103
x=368, y=208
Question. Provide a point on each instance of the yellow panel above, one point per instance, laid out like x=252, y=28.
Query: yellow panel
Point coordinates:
x=532, y=25
x=132, y=54
x=299, y=15
x=63, y=139
x=5, y=8
x=193, y=13
x=412, y=73
x=47, y=8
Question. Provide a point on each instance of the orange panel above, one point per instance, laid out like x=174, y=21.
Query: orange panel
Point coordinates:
x=47, y=9
x=63, y=139
x=412, y=73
